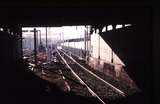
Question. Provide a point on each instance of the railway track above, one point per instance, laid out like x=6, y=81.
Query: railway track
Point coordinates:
x=80, y=80
x=96, y=76
x=121, y=85
x=95, y=85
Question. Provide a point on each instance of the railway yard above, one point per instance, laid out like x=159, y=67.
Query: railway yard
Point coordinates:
x=73, y=76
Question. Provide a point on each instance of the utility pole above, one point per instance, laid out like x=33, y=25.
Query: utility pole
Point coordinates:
x=35, y=46
x=90, y=49
x=37, y=39
x=85, y=43
x=60, y=38
x=63, y=39
x=112, y=56
x=46, y=44
x=46, y=38
x=40, y=35
x=99, y=48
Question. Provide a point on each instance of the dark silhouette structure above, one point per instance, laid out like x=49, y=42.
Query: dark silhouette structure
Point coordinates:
x=132, y=44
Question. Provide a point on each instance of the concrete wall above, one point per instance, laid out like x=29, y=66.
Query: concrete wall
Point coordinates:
x=101, y=54
x=104, y=49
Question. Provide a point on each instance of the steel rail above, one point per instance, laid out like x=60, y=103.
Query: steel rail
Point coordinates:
x=116, y=89
x=81, y=81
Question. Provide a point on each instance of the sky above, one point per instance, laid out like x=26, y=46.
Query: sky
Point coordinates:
x=66, y=32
